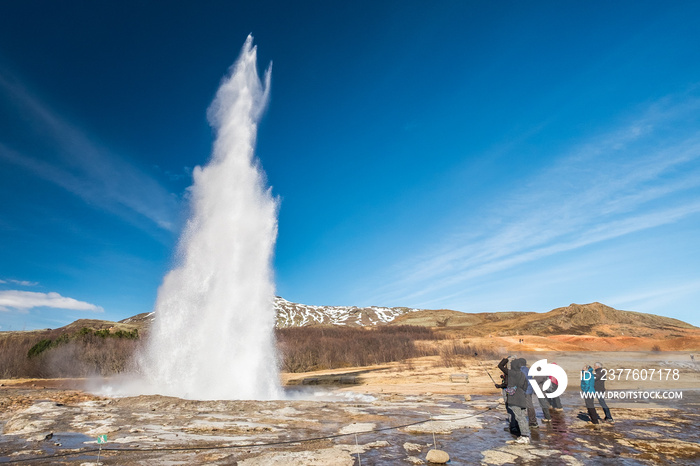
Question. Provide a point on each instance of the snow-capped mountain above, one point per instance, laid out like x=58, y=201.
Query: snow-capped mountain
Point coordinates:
x=299, y=315
x=291, y=314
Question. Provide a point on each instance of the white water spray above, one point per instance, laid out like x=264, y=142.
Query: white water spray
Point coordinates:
x=213, y=332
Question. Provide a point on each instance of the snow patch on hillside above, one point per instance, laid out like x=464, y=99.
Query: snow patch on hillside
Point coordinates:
x=291, y=314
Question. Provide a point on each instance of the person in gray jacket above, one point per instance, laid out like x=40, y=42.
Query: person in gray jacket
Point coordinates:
x=554, y=403
x=543, y=402
x=531, y=414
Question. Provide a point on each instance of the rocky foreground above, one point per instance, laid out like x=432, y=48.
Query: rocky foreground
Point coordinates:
x=391, y=414
x=48, y=428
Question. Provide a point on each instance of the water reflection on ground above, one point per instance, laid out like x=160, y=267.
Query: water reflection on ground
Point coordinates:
x=643, y=433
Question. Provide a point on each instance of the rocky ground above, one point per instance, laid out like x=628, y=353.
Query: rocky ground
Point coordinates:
x=379, y=419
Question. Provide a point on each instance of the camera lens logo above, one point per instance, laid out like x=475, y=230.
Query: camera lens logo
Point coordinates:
x=543, y=369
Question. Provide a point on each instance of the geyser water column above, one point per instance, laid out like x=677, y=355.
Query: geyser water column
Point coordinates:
x=214, y=316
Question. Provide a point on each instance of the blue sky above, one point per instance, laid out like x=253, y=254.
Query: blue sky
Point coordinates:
x=476, y=156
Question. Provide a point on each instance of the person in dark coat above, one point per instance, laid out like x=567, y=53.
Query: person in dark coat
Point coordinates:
x=588, y=392
x=512, y=423
x=599, y=386
x=515, y=395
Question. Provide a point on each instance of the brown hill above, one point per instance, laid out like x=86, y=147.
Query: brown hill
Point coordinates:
x=478, y=323
x=95, y=324
x=141, y=321
x=594, y=319
x=601, y=320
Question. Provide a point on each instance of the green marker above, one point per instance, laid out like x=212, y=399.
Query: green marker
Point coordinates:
x=100, y=440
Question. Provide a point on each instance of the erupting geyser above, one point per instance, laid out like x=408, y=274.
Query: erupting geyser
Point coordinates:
x=213, y=332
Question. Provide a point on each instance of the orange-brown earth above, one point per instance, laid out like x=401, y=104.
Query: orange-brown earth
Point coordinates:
x=689, y=342
x=427, y=375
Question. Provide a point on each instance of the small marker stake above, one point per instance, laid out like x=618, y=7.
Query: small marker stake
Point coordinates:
x=100, y=440
x=358, y=450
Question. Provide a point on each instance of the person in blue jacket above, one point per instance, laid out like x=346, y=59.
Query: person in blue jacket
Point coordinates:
x=588, y=392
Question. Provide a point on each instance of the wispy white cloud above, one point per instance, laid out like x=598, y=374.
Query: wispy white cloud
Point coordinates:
x=653, y=299
x=23, y=301
x=19, y=282
x=84, y=168
x=642, y=175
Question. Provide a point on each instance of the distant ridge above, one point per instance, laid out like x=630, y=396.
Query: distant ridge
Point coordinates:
x=594, y=319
